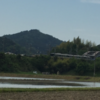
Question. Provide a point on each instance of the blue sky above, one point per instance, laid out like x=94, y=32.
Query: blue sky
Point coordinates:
x=63, y=19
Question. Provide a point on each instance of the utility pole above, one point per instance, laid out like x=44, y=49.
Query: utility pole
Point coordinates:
x=94, y=68
x=94, y=72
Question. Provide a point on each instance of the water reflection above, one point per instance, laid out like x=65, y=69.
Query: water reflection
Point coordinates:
x=86, y=84
x=25, y=78
x=7, y=84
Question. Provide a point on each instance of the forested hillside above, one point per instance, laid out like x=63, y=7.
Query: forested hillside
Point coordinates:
x=35, y=41
x=7, y=45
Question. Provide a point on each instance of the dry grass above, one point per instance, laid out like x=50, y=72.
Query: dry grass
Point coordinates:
x=66, y=95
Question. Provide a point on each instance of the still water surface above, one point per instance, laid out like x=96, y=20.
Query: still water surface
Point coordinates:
x=25, y=78
x=11, y=85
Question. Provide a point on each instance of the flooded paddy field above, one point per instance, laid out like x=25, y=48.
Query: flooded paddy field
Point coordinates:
x=40, y=82
x=62, y=95
x=25, y=82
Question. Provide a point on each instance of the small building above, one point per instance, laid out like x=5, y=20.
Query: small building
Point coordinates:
x=35, y=72
x=90, y=55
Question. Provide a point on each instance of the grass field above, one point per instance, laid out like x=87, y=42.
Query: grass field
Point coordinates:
x=46, y=89
x=66, y=77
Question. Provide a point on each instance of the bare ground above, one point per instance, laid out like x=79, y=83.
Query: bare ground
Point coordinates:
x=62, y=95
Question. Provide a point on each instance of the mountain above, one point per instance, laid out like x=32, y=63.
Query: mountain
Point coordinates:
x=34, y=41
x=7, y=45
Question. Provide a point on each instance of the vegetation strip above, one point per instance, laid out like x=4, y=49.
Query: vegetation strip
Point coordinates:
x=53, y=76
x=46, y=89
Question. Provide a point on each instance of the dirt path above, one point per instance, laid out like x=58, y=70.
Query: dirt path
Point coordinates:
x=65, y=95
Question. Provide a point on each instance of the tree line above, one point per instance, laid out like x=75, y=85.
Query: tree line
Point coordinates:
x=46, y=63
x=77, y=46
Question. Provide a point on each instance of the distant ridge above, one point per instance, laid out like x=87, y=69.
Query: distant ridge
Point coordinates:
x=7, y=45
x=34, y=41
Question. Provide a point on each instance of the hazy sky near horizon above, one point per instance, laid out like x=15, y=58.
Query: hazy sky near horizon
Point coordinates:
x=63, y=19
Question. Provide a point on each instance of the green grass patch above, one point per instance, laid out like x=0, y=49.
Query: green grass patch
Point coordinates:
x=3, y=90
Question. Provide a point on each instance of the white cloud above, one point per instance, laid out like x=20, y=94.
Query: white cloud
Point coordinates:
x=91, y=1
